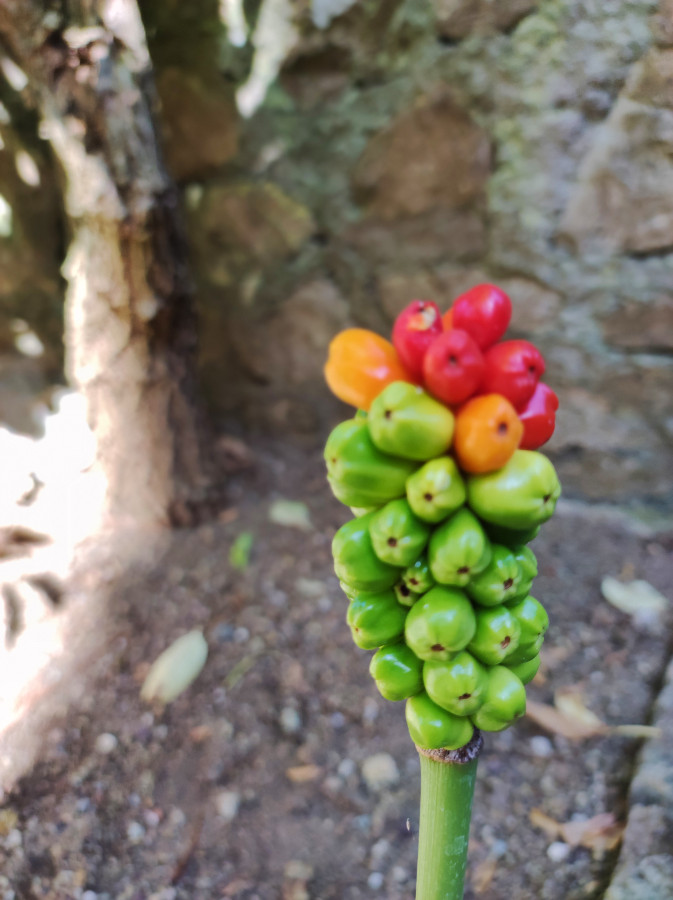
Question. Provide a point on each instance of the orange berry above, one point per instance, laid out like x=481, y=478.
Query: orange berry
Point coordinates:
x=447, y=320
x=360, y=364
x=487, y=433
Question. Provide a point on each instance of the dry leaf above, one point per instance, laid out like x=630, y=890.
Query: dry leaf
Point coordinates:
x=290, y=513
x=483, y=873
x=302, y=774
x=176, y=668
x=638, y=599
x=552, y=719
x=598, y=834
x=545, y=823
x=569, y=701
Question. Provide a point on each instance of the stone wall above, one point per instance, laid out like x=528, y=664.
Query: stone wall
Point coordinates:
x=412, y=149
x=408, y=149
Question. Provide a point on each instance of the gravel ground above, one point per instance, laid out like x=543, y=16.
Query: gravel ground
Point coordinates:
x=281, y=773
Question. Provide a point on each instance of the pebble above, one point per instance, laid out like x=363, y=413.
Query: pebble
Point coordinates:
x=290, y=720
x=227, y=804
x=89, y=895
x=375, y=881
x=498, y=849
x=337, y=720
x=399, y=874
x=106, y=743
x=379, y=850
x=346, y=768
x=380, y=771
x=135, y=832
x=370, y=710
x=558, y=851
x=13, y=839
x=541, y=746
x=241, y=634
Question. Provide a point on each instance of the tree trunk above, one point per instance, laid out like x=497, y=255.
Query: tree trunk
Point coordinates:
x=130, y=325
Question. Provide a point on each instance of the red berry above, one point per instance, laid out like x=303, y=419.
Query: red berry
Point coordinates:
x=484, y=312
x=513, y=369
x=453, y=367
x=414, y=330
x=538, y=417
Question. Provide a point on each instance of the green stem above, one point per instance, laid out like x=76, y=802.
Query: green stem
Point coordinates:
x=447, y=787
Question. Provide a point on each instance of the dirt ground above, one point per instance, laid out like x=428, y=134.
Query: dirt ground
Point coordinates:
x=264, y=779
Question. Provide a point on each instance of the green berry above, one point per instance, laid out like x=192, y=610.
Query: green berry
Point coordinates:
x=504, y=700
x=359, y=474
x=511, y=537
x=397, y=672
x=457, y=685
x=355, y=562
x=525, y=671
x=497, y=635
x=440, y=623
x=436, y=489
x=458, y=549
x=499, y=581
x=405, y=421
x=375, y=619
x=532, y=617
x=524, y=652
x=432, y=727
x=398, y=536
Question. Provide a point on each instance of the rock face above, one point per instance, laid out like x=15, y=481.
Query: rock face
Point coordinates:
x=413, y=150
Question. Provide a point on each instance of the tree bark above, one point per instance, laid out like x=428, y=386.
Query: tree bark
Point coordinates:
x=130, y=324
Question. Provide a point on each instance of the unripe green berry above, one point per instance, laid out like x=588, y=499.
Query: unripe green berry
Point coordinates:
x=432, y=727
x=397, y=671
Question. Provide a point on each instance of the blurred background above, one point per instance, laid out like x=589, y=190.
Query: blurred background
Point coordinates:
x=194, y=199
x=337, y=160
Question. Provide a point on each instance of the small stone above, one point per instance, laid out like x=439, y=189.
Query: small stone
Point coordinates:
x=241, y=635
x=346, y=768
x=399, y=874
x=498, y=849
x=370, y=710
x=290, y=720
x=375, y=881
x=558, y=851
x=541, y=746
x=13, y=839
x=89, y=895
x=135, y=832
x=380, y=771
x=337, y=720
x=379, y=850
x=106, y=743
x=227, y=804
x=297, y=869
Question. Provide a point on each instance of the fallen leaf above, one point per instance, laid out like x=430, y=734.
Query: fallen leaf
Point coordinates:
x=483, y=873
x=176, y=668
x=236, y=886
x=557, y=722
x=569, y=701
x=598, y=834
x=647, y=732
x=239, y=554
x=290, y=513
x=302, y=774
x=545, y=823
x=637, y=598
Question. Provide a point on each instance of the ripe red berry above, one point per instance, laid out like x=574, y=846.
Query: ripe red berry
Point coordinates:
x=484, y=312
x=414, y=330
x=513, y=369
x=538, y=417
x=453, y=367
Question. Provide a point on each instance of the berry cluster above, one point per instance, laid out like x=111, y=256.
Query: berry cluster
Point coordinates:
x=440, y=469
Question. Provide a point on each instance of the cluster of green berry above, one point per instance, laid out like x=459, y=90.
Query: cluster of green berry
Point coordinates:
x=436, y=567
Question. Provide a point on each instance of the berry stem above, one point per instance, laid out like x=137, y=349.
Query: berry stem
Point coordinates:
x=447, y=788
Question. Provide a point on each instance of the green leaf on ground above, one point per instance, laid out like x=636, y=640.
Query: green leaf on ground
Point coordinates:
x=239, y=554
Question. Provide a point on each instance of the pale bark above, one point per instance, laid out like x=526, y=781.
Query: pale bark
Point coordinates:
x=130, y=331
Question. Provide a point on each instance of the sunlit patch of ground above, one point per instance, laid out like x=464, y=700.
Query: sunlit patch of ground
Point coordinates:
x=51, y=501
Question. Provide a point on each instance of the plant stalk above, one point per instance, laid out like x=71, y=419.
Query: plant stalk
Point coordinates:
x=447, y=788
